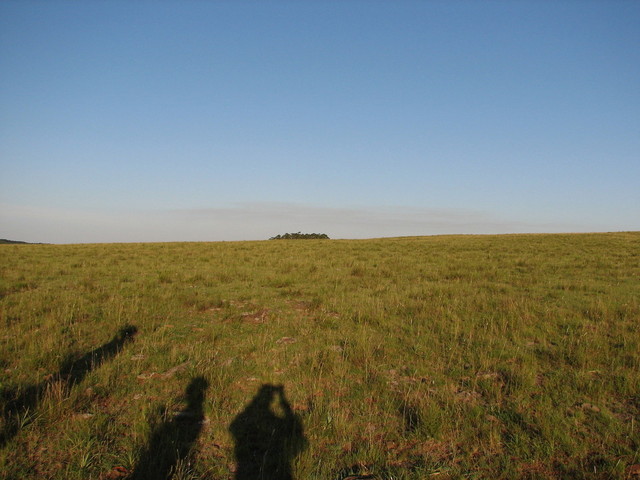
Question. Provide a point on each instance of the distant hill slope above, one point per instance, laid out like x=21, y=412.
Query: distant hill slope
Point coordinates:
x=12, y=242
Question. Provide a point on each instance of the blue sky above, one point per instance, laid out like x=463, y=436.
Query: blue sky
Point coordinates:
x=159, y=121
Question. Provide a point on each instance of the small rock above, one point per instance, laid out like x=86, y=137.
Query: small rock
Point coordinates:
x=589, y=406
x=174, y=370
x=633, y=470
x=116, y=472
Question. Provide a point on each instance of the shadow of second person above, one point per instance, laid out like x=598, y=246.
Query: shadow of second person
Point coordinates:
x=172, y=441
x=268, y=436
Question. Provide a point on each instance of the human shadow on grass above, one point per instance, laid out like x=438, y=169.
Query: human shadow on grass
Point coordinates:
x=18, y=404
x=268, y=436
x=171, y=442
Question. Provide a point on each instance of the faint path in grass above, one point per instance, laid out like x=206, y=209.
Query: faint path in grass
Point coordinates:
x=172, y=441
x=20, y=403
x=268, y=436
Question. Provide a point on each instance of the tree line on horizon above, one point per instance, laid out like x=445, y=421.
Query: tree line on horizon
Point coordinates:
x=301, y=236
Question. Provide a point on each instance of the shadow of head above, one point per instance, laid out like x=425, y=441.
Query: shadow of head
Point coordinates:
x=268, y=393
x=127, y=333
x=196, y=390
x=73, y=369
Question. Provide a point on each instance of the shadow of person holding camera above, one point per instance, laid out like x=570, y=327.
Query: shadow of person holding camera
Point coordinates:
x=268, y=436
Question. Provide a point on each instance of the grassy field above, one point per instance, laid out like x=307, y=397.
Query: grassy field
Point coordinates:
x=514, y=356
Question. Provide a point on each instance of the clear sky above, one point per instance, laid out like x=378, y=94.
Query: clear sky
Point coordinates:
x=209, y=120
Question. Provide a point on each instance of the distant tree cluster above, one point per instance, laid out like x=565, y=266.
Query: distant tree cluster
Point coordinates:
x=300, y=236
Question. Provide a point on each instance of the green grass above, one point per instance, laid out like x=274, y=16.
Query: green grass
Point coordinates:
x=514, y=356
